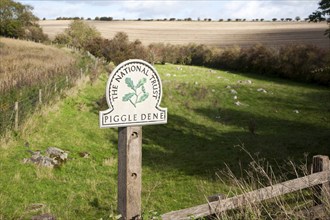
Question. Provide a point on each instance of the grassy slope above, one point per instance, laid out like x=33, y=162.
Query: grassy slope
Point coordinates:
x=179, y=159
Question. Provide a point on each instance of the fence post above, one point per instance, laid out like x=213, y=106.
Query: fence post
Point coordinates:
x=67, y=81
x=40, y=96
x=16, y=116
x=321, y=192
x=55, y=87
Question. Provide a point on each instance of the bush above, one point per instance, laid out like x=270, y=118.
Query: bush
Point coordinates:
x=35, y=33
x=78, y=34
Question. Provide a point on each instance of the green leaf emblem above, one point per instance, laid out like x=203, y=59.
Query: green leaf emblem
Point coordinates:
x=141, y=83
x=143, y=97
x=139, y=96
x=130, y=83
x=128, y=96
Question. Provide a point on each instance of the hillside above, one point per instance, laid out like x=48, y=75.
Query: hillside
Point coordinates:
x=214, y=33
x=29, y=70
x=212, y=115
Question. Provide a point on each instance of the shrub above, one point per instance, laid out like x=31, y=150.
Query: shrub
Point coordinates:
x=78, y=34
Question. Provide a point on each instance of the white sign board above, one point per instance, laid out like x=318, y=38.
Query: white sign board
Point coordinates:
x=134, y=92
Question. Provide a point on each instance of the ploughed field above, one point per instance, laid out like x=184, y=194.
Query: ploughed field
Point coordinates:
x=217, y=34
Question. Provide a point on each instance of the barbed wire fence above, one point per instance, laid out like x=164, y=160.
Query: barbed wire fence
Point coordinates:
x=12, y=115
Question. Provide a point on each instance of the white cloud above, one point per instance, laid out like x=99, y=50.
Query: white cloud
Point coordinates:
x=248, y=9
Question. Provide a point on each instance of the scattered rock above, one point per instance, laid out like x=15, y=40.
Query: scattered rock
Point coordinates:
x=35, y=207
x=238, y=103
x=244, y=81
x=261, y=90
x=235, y=97
x=84, y=154
x=168, y=74
x=54, y=157
x=228, y=87
x=45, y=216
x=296, y=111
x=179, y=68
x=57, y=154
x=233, y=91
x=213, y=90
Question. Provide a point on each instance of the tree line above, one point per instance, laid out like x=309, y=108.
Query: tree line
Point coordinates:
x=305, y=63
x=18, y=21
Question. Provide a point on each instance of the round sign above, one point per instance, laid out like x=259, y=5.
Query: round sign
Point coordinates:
x=134, y=93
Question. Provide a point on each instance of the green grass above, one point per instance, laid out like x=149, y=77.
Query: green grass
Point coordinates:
x=180, y=159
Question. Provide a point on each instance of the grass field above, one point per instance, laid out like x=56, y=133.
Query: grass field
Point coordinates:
x=210, y=117
x=217, y=34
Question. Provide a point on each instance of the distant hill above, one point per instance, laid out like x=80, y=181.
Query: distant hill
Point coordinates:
x=214, y=33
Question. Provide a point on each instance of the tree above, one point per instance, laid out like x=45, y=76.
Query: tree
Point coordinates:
x=15, y=18
x=78, y=34
x=320, y=15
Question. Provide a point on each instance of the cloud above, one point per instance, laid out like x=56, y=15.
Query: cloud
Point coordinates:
x=215, y=9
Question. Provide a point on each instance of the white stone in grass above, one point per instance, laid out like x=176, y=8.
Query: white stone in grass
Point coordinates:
x=238, y=103
x=213, y=90
x=168, y=74
x=228, y=87
x=261, y=90
x=235, y=97
x=296, y=111
x=233, y=91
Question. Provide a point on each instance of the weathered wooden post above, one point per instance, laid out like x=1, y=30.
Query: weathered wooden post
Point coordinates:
x=321, y=192
x=40, y=96
x=133, y=94
x=16, y=116
x=67, y=81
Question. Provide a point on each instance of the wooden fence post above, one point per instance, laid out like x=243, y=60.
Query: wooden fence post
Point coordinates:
x=321, y=192
x=129, y=172
x=40, y=96
x=67, y=81
x=16, y=116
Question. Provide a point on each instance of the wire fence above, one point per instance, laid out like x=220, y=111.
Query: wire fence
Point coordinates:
x=12, y=115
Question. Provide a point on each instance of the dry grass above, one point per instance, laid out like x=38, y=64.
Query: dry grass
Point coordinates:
x=209, y=33
x=27, y=64
x=260, y=174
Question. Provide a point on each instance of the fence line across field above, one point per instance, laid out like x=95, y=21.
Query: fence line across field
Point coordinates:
x=17, y=111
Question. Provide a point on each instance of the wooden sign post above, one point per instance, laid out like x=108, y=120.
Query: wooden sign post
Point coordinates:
x=129, y=171
x=134, y=92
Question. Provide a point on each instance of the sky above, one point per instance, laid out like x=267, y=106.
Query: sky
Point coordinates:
x=158, y=9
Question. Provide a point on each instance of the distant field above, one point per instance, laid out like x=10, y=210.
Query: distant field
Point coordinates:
x=210, y=33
